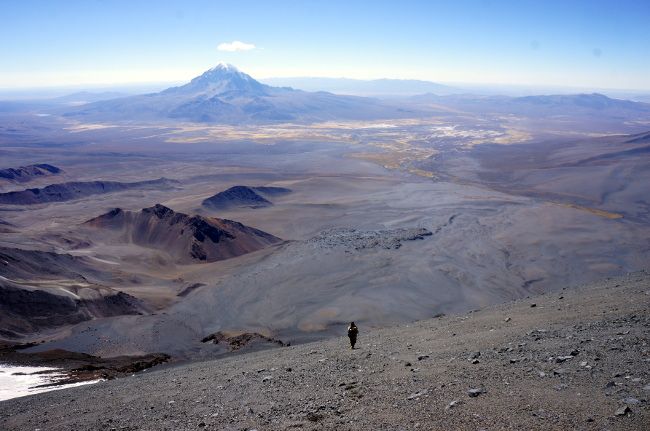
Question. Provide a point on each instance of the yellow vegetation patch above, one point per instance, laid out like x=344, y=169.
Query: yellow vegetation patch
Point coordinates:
x=422, y=173
x=88, y=127
x=595, y=211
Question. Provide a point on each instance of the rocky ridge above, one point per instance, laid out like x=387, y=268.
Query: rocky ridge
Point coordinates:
x=29, y=172
x=189, y=239
x=76, y=190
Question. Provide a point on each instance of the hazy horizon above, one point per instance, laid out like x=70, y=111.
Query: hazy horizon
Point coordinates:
x=52, y=91
x=581, y=44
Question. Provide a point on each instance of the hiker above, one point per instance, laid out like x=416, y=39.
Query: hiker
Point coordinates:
x=352, y=334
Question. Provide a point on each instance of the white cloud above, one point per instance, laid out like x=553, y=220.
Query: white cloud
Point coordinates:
x=235, y=45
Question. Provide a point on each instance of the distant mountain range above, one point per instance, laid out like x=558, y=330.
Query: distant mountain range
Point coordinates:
x=559, y=104
x=360, y=87
x=226, y=95
x=83, y=97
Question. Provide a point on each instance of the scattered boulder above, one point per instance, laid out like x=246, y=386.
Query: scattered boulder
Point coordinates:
x=453, y=404
x=475, y=392
x=622, y=411
x=418, y=394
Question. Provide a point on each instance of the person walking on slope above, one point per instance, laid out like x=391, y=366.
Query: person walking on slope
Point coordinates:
x=352, y=334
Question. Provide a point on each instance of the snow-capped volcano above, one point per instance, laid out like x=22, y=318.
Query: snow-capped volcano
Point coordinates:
x=221, y=79
x=226, y=95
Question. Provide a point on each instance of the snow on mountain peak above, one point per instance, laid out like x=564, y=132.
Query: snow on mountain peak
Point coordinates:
x=225, y=67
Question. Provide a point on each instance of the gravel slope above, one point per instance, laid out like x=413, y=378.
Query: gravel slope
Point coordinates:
x=577, y=359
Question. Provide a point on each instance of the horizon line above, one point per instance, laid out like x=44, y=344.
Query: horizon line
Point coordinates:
x=99, y=85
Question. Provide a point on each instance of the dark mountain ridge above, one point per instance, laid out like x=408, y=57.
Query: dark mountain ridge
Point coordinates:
x=244, y=196
x=29, y=172
x=41, y=290
x=76, y=190
x=189, y=239
x=558, y=104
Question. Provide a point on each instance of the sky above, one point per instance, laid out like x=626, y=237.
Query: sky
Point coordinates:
x=573, y=43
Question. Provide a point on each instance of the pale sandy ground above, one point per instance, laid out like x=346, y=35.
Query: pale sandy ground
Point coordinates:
x=571, y=361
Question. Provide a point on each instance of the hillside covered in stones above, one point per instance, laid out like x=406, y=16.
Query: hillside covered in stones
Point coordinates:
x=572, y=359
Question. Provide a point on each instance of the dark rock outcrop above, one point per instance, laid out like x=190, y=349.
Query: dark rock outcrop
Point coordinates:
x=79, y=367
x=239, y=341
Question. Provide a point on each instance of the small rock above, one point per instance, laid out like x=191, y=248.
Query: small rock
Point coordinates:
x=622, y=411
x=453, y=404
x=417, y=394
x=631, y=401
x=474, y=355
x=533, y=305
x=423, y=357
x=475, y=361
x=266, y=378
x=314, y=417
x=562, y=358
x=507, y=319
x=475, y=392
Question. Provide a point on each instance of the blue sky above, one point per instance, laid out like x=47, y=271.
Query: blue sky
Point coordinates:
x=598, y=44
